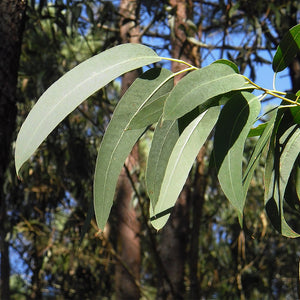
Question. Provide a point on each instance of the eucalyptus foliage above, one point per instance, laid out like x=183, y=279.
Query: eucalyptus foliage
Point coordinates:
x=215, y=100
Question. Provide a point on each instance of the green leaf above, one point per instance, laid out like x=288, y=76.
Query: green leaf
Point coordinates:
x=295, y=111
x=149, y=114
x=118, y=140
x=291, y=139
x=165, y=136
x=235, y=121
x=164, y=139
x=282, y=154
x=199, y=86
x=70, y=90
x=298, y=181
x=229, y=63
x=180, y=163
x=291, y=196
x=269, y=166
x=257, y=152
x=258, y=130
x=287, y=49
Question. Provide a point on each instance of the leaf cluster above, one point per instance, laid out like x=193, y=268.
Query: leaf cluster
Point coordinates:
x=212, y=100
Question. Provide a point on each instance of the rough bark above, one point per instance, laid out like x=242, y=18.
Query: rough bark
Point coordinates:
x=128, y=270
x=11, y=29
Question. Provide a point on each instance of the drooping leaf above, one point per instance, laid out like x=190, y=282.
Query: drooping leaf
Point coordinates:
x=291, y=196
x=118, y=140
x=258, y=130
x=291, y=141
x=70, y=90
x=295, y=111
x=229, y=63
x=298, y=181
x=149, y=114
x=280, y=176
x=257, y=152
x=164, y=139
x=233, y=126
x=287, y=49
x=180, y=163
x=199, y=86
x=282, y=153
x=290, y=153
x=269, y=166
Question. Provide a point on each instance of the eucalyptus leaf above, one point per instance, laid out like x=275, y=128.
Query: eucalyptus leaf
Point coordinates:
x=282, y=153
x=291, y=141
x=118, y=140
x=180, y=163
x=271, y=157
x=198, y=87
x=295, y=111
x=261, y=144
x=287, y=49
x=149, y=114
x=165, y=137
x=298, y=182
x=235, y=121
x=74, y=87
x=258, y=130
x=229, y=63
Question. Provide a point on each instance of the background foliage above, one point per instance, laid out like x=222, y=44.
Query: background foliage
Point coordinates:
x=47, y=209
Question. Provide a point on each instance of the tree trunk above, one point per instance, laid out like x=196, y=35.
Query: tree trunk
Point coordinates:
x=175, y=234
x=128, y=270
x=11, y=29
x=197, y=202
x=181, y=48
x=128, y=245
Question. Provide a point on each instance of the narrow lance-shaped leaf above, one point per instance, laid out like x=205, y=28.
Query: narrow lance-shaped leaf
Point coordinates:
x=235, y=121
x=298, y=181
x=118, y=139
x=283, y=162
x=259, y=147
x=258, y=130
x=198, y=87
x=287, y=49
x=165, y=136
x=291, y=142
x=149, y=113
x=164, y=139
x=70, y=90
x=295, y=111
x=287, y=160
x=180, y=163
x=270, y=160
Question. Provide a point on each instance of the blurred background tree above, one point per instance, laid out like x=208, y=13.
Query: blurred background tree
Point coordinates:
x=202, y=252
